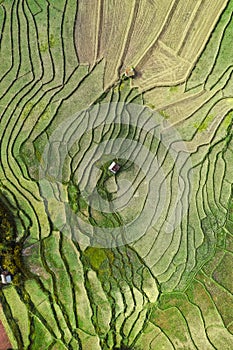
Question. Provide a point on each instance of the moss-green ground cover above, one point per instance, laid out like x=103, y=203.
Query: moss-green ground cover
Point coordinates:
x=62, y=66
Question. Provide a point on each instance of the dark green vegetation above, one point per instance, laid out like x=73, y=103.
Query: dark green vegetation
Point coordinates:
x=10, y=250
x=167, y=289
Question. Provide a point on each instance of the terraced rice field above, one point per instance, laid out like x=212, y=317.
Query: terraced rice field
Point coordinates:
x=138, y=260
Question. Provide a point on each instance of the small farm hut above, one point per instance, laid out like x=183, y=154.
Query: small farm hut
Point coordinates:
x=6, y=277
x=114, y=167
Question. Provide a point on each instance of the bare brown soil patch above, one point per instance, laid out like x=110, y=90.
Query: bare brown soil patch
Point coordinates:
x=4, y=340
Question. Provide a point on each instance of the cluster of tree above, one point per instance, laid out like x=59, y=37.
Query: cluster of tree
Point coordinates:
x=10, y=250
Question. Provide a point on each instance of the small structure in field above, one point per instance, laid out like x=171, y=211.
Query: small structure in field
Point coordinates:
x=114, y=167
x=130, y=72
x=6, y=277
